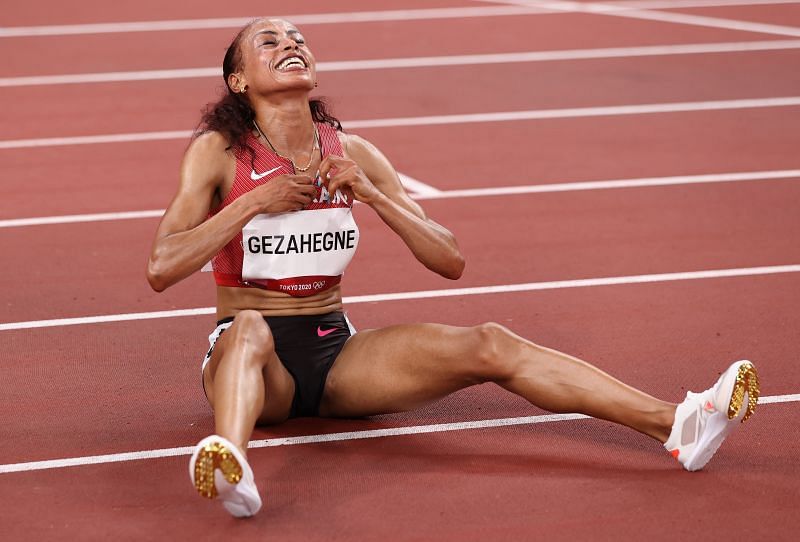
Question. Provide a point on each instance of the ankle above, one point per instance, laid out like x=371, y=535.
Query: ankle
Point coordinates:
x=666, y=421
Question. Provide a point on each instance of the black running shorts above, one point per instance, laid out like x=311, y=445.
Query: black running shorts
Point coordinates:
x=307, y=346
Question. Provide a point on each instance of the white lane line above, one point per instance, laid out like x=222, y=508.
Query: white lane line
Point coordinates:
x=577, y=112
x=95, y=139
x=425, y=192
x=71, y=219
x=613, y=184
x=422, y=62
x=779, y=399
x=681, y=4
x=438, y=120
x=618, y=10
x=347, y=17
x=109, y=77
x=416, y=188
x=300, y=19
x=563, y=54
x=322, y=438
x=432, y=294
x=58, y=322
x=698, y=20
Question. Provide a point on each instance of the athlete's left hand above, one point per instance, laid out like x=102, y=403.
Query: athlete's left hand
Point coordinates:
x=345, y=175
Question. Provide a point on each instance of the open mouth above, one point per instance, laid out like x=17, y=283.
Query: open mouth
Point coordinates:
x=292, y=63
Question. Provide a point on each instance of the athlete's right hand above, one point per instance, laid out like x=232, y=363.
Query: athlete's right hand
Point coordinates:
x=283, y=193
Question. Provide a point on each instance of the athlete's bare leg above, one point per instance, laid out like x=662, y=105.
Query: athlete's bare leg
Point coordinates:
x=403, y=367
x=245, y=381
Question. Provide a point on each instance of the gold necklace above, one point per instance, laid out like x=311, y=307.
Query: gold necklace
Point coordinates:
x=314, y=146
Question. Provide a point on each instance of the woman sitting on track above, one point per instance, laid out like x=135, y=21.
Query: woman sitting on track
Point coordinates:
x=266, y=190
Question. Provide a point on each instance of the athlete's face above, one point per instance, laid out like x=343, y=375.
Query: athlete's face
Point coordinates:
x=275, y=57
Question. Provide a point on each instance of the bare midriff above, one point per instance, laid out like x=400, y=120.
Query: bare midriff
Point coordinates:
x=231, y=300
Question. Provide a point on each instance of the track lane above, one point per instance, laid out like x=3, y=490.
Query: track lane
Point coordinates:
x=537, y=237
x=135, y=385
x=203, y=48
x=779, y=14
x=134, y=177
x=460, y=496
x=97, y=11
x=466, y=486
x=176, y=104
x=600, y=147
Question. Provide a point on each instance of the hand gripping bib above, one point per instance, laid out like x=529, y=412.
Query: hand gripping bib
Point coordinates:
x=299, y=253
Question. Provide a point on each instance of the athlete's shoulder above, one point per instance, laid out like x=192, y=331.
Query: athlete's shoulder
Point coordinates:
x=209, y=142
x=357, y=148
x=208, y=157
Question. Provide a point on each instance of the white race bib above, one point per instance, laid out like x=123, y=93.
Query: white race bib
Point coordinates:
x=308, y=243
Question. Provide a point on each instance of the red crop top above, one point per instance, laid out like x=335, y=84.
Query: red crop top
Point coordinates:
x=299, y=253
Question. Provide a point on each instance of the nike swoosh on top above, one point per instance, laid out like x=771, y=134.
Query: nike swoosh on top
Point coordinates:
x=256, y=176
x=323, y=332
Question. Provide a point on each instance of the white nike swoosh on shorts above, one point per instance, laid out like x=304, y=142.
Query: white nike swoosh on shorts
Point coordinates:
x=256, y=176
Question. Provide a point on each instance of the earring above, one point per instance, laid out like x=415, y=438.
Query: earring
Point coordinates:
x=316, y=84
x=244, y=90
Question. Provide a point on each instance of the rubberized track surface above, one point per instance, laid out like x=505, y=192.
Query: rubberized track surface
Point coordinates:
x=83, y=390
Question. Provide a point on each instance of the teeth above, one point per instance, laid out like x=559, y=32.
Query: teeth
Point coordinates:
x=291, y=61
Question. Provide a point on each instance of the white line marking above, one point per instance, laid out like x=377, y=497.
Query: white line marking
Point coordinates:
x=432, y=294
x=110, y=77
x=417, y=188
x=70, y=219
x=779, y=399
x=564, y=54
x=613, y=184
x=107, y=318
x=616, y=10
x=681, y=4
x=301, y=19
x=433, y=193
x=435, y=120
x=347, y=17
x=422, y=62
x=577, y=112
x=550, y=6
x=698, y=20
x=321, y=438
x=95, y=139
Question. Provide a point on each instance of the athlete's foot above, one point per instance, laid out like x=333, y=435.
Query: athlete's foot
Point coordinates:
x=218, y=469
x=703, y=420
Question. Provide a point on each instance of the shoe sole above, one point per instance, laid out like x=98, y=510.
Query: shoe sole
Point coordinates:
x=746, y=383
x=719, y=427
x=215, y=455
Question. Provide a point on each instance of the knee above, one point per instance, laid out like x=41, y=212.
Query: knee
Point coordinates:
x=493, y=351
x=249, y=330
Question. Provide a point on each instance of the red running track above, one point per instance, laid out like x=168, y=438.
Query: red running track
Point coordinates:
x=93, y=109
x=114, y=177
x=130, y=386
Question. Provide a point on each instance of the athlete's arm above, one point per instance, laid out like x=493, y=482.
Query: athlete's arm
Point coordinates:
x=186, y=239
x=369, y=175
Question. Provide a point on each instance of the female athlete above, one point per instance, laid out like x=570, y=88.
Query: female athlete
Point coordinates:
x=265, y=193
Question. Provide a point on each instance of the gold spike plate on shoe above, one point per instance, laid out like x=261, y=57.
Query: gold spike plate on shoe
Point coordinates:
x=746, y=381
x=212, y=456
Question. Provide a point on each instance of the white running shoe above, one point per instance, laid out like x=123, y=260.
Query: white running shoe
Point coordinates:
x=703, y=420
x=218, y=469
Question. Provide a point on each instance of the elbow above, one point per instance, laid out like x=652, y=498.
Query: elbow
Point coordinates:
x=455, y=267
x=454, y=263
x=155, y=277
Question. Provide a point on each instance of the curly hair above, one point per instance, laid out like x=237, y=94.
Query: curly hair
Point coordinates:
x=232, y=116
